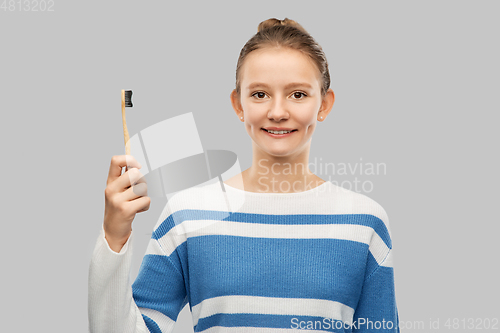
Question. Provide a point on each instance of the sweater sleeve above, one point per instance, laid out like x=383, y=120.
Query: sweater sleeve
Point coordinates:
x=377, y=310
x=110, y=304
x=151, y=304
x=159, y=290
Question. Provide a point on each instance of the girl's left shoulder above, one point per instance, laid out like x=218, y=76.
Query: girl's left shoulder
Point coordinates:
x=358, y=203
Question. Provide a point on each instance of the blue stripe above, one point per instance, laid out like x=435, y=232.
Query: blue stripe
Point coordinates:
x=271, y=321
x=360, y=219
x=159, y=286
x=181, y=252
x=329, y=269
x=371, y=265
x=151, y=325
x=377, y=301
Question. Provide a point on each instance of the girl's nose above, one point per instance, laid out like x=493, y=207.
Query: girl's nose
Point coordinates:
x=278, y=110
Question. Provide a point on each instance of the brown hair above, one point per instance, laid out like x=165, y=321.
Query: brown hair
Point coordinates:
x=285, y=33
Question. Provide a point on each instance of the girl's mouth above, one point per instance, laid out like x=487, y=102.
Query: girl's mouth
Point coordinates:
x=279, y=134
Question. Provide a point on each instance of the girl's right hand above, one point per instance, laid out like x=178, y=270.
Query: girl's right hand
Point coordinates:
x=125, y=195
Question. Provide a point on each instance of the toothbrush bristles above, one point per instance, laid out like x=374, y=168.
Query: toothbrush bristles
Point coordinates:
x=128, y=99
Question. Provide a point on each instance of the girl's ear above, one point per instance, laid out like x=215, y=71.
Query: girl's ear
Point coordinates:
x=327, y=103
x=236, y=102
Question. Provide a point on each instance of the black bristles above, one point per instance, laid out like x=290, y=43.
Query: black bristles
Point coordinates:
x=128, y=98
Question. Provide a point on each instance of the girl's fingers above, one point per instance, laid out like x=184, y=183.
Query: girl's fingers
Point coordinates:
x=136, y=191
x=116, y=165
x=131, y=177
x=140, y=204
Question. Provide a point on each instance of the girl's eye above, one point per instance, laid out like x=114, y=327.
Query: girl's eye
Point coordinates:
x=298, y=94
x=260, y=94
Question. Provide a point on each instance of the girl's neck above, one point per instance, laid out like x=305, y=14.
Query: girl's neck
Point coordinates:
x=279, y=175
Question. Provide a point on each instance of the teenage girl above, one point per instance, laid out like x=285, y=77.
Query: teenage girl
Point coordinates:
x=336, y=270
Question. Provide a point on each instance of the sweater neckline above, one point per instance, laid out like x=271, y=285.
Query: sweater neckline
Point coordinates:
x=263, y=194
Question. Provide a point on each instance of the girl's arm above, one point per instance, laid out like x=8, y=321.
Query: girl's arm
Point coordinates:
x=377, y=310
x=111, y=307
x=152, y=303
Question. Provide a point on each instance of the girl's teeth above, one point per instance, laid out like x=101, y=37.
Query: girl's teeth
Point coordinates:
x=278, y=132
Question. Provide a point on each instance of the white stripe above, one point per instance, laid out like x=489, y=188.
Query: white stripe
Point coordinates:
x=193, y=228
x=331, y=200
x=388, y=262
x=154, y=248
x=164, y=322
x=378, y=248
x=272, y=306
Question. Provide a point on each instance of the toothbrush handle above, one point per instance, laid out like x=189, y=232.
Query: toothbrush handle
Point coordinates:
x=125, y=130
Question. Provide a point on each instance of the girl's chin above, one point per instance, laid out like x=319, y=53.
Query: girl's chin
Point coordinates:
x=276, y=151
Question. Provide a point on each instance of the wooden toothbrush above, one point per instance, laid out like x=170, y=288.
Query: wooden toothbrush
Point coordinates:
x=126, y=102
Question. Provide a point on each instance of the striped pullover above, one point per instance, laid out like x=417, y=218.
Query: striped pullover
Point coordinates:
x=318, y=260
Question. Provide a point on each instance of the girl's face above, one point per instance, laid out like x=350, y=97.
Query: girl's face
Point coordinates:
x=280, y=89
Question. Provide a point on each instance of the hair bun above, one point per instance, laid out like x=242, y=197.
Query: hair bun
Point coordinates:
x=274, y=22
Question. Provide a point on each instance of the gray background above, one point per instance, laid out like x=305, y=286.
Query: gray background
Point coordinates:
x=416, y=86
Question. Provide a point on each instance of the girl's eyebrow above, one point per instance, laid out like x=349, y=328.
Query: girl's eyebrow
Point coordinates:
x=290, y=85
